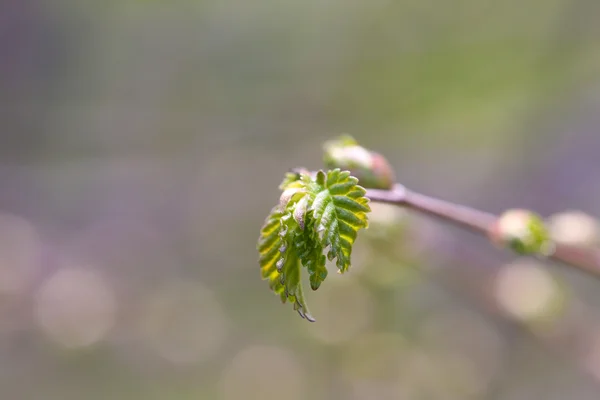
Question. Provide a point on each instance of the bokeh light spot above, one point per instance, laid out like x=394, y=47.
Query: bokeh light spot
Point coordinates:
x=263, y=373
x=75, y=307
x=184, y=323
x=526, y=291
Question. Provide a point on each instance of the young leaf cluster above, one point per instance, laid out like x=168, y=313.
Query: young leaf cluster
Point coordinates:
x=317, y=219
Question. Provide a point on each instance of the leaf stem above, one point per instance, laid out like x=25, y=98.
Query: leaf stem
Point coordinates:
x=584, y=259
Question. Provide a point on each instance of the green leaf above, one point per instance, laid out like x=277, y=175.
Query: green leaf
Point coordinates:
x=339, y=211
x=318, y=218
x=279, y=262
x=312, y=257
x=289, y=179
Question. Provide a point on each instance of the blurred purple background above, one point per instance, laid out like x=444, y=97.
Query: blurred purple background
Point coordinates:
x=141, y=145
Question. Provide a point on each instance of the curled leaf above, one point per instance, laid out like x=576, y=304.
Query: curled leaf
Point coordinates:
x=318, y=218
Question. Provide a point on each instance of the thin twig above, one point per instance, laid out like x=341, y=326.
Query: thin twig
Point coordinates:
x=584, y=259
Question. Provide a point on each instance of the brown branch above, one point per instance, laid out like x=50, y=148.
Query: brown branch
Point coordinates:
x=584, y=259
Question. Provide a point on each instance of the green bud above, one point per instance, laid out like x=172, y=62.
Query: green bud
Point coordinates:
x=574, y=228
x=371, y=168
x=522, y=231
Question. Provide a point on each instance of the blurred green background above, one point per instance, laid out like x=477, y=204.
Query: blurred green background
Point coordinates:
x=141, y=146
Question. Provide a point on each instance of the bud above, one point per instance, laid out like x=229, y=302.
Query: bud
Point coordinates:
x=522, y=231
x=575, y=228
x=371, y=168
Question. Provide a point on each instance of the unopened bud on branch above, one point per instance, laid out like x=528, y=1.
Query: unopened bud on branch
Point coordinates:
x=372, y=169
x=574, y=228
x=522, y=231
